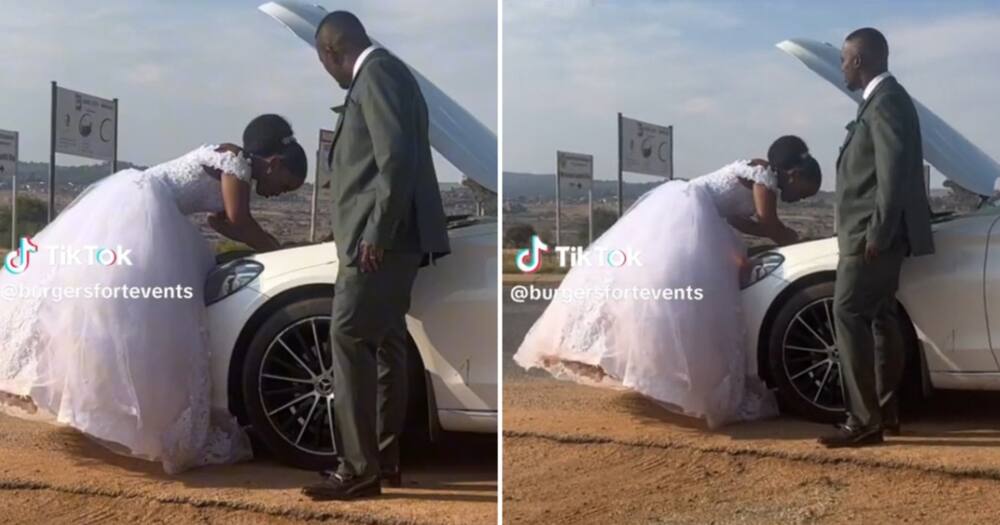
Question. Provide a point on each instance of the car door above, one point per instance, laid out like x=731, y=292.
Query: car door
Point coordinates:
x=991, y=277
x=943, y=294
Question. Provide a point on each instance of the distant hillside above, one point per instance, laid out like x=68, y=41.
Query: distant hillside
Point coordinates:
x=33, y=172
x=534, y=186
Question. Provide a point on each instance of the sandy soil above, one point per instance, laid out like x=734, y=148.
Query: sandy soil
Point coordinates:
x=54, y=475
x=575, y=454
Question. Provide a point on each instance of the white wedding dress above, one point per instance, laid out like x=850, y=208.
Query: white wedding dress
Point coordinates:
x=688, y=354
x=132, y=372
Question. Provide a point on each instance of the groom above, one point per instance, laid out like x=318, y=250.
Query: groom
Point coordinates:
x=882, y=216
x=387, y=222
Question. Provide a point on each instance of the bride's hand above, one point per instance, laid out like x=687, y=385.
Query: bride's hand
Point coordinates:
x=217, y=221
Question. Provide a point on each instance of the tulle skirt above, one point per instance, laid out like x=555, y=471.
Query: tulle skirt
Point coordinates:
x=656, y=310
x=105, y=328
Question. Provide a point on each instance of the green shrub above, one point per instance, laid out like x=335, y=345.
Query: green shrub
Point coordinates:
x=31, y=216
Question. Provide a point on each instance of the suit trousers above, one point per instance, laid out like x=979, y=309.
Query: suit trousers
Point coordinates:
x=368, y=335
x=869, y=336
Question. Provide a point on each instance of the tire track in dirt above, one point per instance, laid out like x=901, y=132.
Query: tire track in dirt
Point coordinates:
x=818, y=458
x=229, y=505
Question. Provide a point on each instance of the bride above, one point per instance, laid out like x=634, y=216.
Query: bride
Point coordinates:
x=115, y=345
x=687, y=352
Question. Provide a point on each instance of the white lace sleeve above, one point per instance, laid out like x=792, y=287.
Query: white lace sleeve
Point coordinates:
x=226, y=161
x=757, y=174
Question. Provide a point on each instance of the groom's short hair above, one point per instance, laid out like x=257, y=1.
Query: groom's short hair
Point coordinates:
x=872, y=44
x=340, y=28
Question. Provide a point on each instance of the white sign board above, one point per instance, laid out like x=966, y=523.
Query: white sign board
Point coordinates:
x=575, y=169
x=84, y=125
x=323, y=173
x=8, y=153
x=647, y=148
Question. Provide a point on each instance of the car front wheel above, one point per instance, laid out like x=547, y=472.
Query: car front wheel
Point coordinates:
x=803, y=361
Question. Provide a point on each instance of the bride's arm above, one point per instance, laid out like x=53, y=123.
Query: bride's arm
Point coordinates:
x=236, y=222
x=767, y=224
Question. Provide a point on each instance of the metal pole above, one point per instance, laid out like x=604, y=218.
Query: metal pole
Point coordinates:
x=671, y=128
x=13, y=196
x=621, y=207
x=590, y=210
x=114, y=156
x=315, y=197
x=558, y=204
x=52, y=159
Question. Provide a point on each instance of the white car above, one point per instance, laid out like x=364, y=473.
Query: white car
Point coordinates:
x=949, y=301
x=269, y=313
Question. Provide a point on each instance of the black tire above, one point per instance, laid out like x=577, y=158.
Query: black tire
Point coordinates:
x=808, y=382
x=264, y=429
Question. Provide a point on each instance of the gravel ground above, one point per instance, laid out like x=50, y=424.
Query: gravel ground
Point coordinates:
x=56, y=475
x=575, y=454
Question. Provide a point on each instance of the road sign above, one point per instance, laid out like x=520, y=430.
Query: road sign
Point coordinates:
x=646, y=148
x=8, y=168
x=576, y=169
x=86, y=125
x=324, y=176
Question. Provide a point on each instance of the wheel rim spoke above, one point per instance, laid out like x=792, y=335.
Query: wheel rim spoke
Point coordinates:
x=305, y=424
x=822, y=384
x=297, y=358
x=807, y=349
x=319, y=354
x=329, y=415
x=810, y=369
x=289, y=379
x=829, y=321
x=811, y=331
x=291, y=403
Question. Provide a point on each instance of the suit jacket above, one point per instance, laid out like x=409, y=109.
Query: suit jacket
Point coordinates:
x=385, y=190
x=881, y=196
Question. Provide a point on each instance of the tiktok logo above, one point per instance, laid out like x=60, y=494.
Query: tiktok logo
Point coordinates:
x=17, y=261
x=529, y=260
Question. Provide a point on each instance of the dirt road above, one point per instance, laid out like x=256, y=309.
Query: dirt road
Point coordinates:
x=54, y=476
x=575, y=454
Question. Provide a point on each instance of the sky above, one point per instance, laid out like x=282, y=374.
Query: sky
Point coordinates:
x=191, y=72
x=711, y=69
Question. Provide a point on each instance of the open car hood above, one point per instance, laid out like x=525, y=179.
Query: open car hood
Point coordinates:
x=454, y=132
x=944, y=148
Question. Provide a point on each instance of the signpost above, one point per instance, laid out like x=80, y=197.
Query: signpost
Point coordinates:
x=8, y=168
x=323, y=176
x=643, y=148
x=576, y=169
x=82, y=125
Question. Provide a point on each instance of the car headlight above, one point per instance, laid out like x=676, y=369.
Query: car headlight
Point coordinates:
x=229, y=278
x=761, y=266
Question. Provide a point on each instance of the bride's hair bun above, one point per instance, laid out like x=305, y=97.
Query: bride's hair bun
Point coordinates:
x=787, y=152
x=269, y=135
x=265, y=135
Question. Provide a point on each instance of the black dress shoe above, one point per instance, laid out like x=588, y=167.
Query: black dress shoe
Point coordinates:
x=391, y=477
x=847, y=436
x=338, y=487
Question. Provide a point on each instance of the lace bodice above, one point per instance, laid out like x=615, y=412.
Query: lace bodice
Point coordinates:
x=731, y=197
x=194, y=189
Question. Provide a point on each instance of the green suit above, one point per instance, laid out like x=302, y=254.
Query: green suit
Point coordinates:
x=881, y=200
x=385, y=192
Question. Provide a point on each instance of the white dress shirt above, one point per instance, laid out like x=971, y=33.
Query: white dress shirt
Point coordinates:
x=361, y=60
x=869, y=88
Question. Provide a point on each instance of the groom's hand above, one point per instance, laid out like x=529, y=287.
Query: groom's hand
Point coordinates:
x=370, y=257
x=871, y=252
